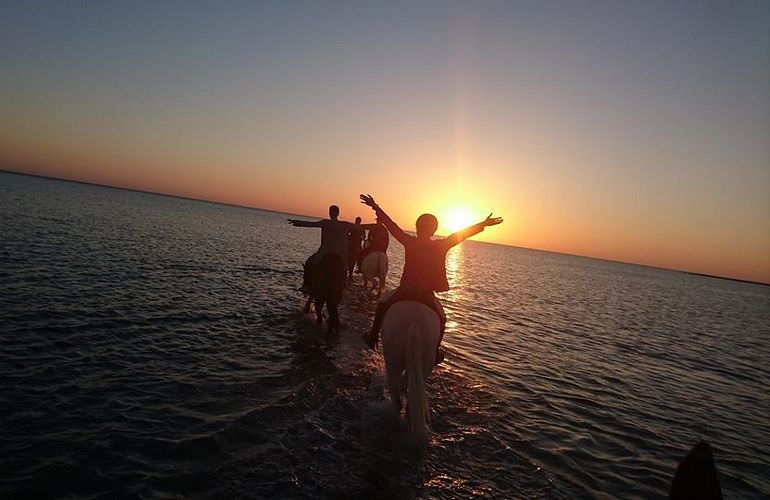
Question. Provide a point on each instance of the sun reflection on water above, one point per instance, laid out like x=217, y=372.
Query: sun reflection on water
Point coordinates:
x=454, y=272
x=450, y=299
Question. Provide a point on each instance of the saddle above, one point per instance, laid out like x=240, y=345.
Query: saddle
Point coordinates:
x=422, y=296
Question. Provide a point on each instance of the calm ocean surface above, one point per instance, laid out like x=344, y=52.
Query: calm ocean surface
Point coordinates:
x=155, y=346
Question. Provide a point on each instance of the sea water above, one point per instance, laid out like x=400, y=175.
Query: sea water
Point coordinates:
x=156, y=346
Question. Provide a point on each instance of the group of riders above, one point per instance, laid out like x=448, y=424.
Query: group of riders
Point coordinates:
x=424, y=271
x=424, y=274
x=360, y=246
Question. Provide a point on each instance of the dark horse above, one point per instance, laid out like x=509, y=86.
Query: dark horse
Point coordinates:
x=326, y=284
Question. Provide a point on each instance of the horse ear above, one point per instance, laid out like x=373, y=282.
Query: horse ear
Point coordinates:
x=696, y=476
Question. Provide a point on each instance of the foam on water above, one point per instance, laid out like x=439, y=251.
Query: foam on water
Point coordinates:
x=155, y=346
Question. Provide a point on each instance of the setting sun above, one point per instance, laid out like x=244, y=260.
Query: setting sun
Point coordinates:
x=457, y=218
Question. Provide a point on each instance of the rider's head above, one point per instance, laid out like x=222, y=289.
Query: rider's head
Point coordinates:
x=358, y=220
x=426, y=225
x=334, y=211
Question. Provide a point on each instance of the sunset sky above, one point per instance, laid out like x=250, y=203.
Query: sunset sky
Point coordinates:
x=630, y=130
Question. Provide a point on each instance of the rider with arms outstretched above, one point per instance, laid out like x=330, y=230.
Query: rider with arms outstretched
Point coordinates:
x=334, y=241
x=424, y=265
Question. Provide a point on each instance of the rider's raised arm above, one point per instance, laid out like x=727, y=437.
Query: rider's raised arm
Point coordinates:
x=305, y=223
x=384, y=219
x=463, y=234
x=396, y=231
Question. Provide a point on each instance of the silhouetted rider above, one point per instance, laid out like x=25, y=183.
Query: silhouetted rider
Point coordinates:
x=334, y=241
x=355, y=237
x=424, y=266
x=378, y=242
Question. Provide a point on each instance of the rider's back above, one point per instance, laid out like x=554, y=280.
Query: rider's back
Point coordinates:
x=334, y=238
x=425, y=264
x=380, y=239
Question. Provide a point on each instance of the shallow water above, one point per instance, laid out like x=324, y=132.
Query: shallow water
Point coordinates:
x=155, y=346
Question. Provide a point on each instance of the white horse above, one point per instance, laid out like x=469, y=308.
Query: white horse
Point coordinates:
x=375, y=265
x=410, y=335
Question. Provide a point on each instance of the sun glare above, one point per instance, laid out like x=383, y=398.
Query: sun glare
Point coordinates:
x=457, y=218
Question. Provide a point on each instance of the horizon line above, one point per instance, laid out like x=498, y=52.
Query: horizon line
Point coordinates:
x=157, y=193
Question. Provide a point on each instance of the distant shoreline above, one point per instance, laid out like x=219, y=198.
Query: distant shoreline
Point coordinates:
x=739, y=280
x=725, y=278
x=122, y=188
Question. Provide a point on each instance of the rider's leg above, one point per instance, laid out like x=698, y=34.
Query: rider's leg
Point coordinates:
x=373, y=336
x=442, y=319
x=319, y=306
x=351, y=262
x=307, y=269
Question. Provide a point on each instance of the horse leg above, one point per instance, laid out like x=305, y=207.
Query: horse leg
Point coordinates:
x=334, y=318
x=394, y=389
x=319, y=311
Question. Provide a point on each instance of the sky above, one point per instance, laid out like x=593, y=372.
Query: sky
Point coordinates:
x=631, y=131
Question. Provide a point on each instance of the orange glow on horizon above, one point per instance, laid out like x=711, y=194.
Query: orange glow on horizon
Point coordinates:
x=535, y=217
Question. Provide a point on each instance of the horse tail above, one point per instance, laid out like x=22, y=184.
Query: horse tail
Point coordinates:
x=417, y=400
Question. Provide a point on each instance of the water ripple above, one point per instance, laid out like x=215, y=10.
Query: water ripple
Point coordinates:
x=155, y=347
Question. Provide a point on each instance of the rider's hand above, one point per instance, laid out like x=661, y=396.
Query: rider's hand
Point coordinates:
x=368, y=200
x=492, y=221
